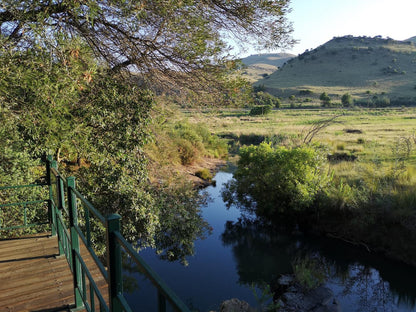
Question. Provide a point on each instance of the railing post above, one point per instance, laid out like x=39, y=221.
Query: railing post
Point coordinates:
x=51, y=210
x=73, y=221
x=57, y=214
x=161, y=302
x=115, y=278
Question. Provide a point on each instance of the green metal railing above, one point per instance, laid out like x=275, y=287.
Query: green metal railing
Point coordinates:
x=21, y=207
x=64, y=218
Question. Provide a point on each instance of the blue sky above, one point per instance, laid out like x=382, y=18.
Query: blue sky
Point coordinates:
x=318, y=21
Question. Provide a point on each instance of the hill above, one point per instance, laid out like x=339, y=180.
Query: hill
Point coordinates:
x=361, y=66
x=413, y=39
x=261, y=65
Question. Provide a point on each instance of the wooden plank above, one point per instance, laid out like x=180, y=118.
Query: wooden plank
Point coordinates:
x=33, y=278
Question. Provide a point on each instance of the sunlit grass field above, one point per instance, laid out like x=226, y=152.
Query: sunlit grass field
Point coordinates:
x=381, y=136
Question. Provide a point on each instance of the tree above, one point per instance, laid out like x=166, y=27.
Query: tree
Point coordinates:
x=276, y=181
x=75, y=79
x=346, y=99
x=325, y=99
x=163, y=40
x=265, y=98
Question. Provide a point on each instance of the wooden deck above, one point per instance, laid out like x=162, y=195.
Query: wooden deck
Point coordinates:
x=33, y=277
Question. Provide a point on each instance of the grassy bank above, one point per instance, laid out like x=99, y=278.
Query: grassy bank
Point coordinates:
x=370, y=134
x=370, y=156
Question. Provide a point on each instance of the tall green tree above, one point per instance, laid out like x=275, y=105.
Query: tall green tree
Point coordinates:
x=75, y=79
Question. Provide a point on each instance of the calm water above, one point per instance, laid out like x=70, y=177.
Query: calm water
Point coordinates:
x=240, y=256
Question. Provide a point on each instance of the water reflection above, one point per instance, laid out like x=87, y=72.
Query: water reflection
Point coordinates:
x=361, y=281
x=242, y=252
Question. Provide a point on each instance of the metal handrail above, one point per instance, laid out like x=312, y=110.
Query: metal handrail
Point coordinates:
x=156, y=280
x=68, y=242
x=25, y=224
x=6, y=187
x=89, y=205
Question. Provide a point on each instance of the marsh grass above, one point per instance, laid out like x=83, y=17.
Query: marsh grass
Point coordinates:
x=379, y=129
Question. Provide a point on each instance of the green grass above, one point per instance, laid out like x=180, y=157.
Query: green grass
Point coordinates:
x=370, y=134
x=350, y=65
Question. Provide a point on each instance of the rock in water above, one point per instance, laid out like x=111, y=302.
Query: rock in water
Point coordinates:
x=235, y=305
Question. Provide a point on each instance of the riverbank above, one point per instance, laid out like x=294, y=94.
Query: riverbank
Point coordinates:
x=213, y=165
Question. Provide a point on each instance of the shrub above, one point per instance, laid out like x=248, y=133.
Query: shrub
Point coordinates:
x=346, y=99
x=305, y=92
x=325, y=99
x=204, y=174
x=187, y=152
x=260, y=110
x=271, y=181
x=264, y=98
x=259, y=88
x=309, y=272
x=341, y=146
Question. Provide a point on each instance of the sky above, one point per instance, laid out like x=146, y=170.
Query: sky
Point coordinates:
x=318, y=21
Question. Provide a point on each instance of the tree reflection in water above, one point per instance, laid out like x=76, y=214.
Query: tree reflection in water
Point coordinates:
x=361, y=281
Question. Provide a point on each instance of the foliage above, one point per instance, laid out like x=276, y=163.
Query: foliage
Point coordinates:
x=182, y=223
x=75, y=79
x=271, y=181
x=260, y=110
x=346, y=99
x=195, y=141
x=204, y=174
x=94, y=121
x=266, y=99
x=325, y=99
x=309, y=272
x=261, y=88
x=264, y=297
x=144, y=35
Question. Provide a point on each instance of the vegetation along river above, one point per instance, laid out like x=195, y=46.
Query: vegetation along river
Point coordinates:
x=242, y=256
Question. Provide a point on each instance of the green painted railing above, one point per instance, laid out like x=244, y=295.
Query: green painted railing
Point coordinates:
x=21, y=207
x=72, y=218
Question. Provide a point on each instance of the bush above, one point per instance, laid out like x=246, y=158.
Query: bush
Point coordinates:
x=204, y=174
x=305, y=92
x=260, y=110
x=195, y=140
x=325, y=99
x=346, y=99
x=187, y=152
x=264, y=98
x=271, y=181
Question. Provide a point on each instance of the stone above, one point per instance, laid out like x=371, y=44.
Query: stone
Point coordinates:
x=286, y=280
x=322, y=294
x=320, y=299
x=236, y=305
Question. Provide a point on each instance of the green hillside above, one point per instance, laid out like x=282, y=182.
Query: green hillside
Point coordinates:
x=361, y=66
x=413, y=39
x=260, y=65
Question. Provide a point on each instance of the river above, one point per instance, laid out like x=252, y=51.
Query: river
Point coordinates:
x=239, y=257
